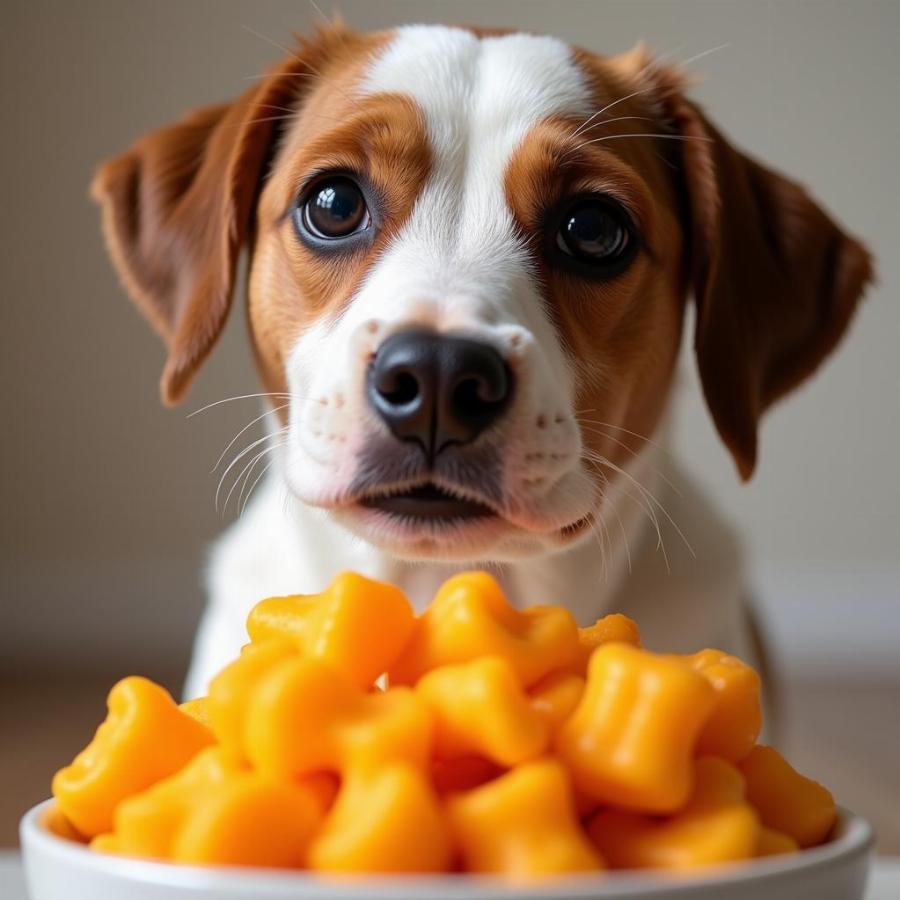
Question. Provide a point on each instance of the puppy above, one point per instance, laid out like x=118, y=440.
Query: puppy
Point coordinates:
x=470, y=255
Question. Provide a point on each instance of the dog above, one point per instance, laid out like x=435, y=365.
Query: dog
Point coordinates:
x=470, y=256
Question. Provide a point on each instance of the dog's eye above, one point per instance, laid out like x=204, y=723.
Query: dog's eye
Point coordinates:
x=334, y=208
x=596, y=232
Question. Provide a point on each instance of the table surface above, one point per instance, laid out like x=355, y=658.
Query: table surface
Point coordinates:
x=884, y=882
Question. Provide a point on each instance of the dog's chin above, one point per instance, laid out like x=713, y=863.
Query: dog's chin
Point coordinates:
x=470, y=534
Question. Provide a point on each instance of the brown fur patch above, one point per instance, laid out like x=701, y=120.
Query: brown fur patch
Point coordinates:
x=382, y=140
x=622, y=334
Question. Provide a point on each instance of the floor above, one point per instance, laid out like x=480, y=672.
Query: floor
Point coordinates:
x=846, y=736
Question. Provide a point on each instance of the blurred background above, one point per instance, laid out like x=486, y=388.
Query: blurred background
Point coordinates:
x=107, y=498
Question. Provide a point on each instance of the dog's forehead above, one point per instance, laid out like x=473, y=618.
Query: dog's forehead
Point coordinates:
x=459, y=79
x=479, y=97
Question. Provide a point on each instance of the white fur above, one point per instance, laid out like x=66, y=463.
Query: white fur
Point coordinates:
x=458, y=266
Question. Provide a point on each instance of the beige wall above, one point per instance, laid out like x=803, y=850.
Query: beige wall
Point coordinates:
x=107, y=500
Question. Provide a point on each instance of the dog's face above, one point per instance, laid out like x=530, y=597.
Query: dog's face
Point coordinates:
x=470, y=255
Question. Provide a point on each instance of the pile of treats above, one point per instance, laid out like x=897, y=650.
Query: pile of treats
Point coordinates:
x=352, y=736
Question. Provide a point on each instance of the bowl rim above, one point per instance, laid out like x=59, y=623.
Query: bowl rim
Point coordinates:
x=854, y=838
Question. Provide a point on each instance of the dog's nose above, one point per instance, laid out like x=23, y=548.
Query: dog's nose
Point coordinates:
x=438, y=390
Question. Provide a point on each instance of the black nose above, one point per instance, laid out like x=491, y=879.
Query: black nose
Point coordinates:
x=437, y=390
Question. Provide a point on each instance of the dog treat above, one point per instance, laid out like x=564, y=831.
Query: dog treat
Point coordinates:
x=716, y=825
x=555, y=697
x=632, y=736
x=145, y=738
x=469, y=617
x=338, y=625
x=352, y=736
x=788, y=801
x=612, y=629
x=736, y=719
x=216, y=810
x=387, y=819
x=301, y=716
x=523, y=825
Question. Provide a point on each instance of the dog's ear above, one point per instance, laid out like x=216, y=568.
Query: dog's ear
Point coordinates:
x=776, y=280
x=178, y=207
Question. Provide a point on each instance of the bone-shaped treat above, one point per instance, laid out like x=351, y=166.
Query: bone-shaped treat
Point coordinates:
x=384, y=820
x=786, y=800
x=144, y=738
x=356, y=625
x=736, y=719
x=216, y=810
x=631, y=739
x=717, y=825
x=470, y=617
x=522, y=825
x=289, y=715
x=479, y=709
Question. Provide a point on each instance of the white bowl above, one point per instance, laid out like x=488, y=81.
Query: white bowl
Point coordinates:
x=59, y=869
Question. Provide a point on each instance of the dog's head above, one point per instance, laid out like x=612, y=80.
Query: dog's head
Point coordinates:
x=469, y=258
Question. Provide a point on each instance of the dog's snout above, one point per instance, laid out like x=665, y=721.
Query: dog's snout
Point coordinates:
x=438, y=390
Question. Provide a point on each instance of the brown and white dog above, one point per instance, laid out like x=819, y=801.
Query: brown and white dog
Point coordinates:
x=470, y=254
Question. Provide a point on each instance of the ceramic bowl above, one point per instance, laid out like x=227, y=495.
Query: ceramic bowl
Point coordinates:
x=60, y=869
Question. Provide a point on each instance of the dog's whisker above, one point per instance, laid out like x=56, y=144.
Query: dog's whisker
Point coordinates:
x=284, y=118
x=285, y=109
x=608, y=106
x=704, y=53
x=249, y=425
x=246, y=470
x=643, y=437
x=616, y=119
x=647, y=509
x=241, y=500
x=644, y=90
x=279, y=395
x=624, y=535
x=248, y=449
x=638, y=134
x=604, y=461
x=256, y=481
x=632, y=452
x=598, y=460
x=264, y=75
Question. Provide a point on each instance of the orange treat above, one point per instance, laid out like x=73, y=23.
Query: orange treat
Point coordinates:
x=774, y=843
x=502, y=741
x=217, y=811
x=305, y=716
x=233, y=690
x=479, y=709
x=144, y=738
x=523, y=825
x=196, y=709
x=356, y=625
x=631, y=739
x=555, y=697
x=736, y=719
x=323, y=787
x=470, y=617
x=462, y=773
x=786, y=800
x=716, y=826
x=615, y=628
x=56, y=823
x=385, y=820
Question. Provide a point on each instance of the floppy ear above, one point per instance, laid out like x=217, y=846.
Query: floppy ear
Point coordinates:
x=776, y=280
x=178, y=207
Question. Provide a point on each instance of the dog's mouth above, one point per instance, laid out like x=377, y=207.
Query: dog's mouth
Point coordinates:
x=427, y=501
